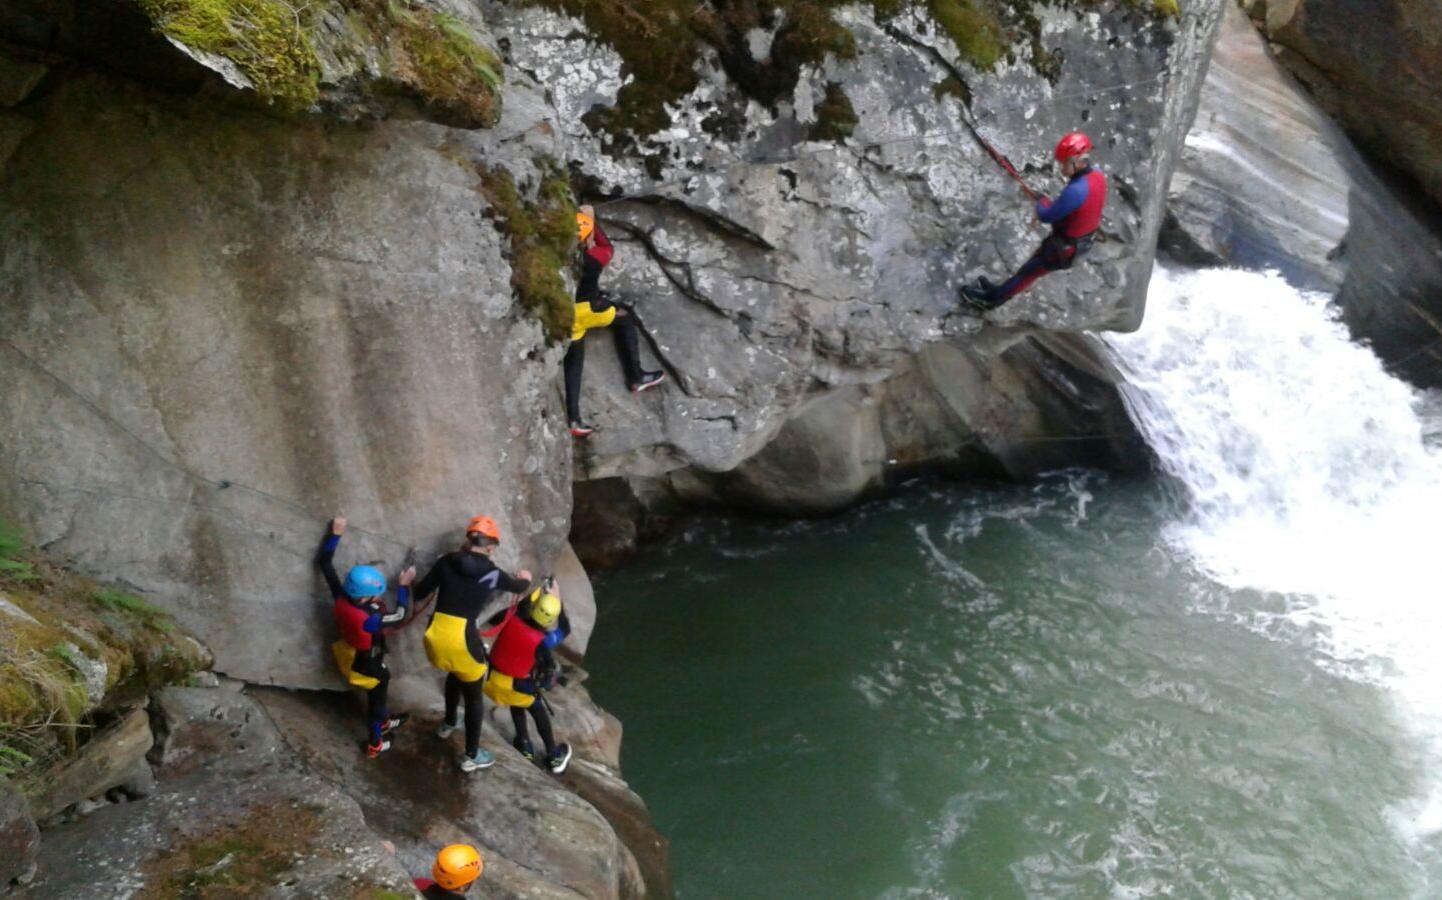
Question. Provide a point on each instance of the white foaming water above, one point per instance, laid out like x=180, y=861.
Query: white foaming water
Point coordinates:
x=1307, y=475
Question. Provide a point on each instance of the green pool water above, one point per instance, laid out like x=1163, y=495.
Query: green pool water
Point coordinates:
x=995, y=692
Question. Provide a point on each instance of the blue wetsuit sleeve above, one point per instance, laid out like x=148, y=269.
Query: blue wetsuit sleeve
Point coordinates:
x=561, y=632
x=403, y=607
x=325, y=561
x=1069, y=202
x=373, y=623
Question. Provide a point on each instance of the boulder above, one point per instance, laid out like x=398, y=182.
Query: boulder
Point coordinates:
x=579, y=598
x=107, y=760
x=19, y=838
x=1268, y=181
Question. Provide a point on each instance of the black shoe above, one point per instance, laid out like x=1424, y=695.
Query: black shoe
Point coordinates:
x=977, y=298
x=581, y=429
x=648, y=381
x=524, y=748
x=394, y=722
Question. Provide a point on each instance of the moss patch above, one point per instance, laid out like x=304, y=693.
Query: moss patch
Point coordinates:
x=266, y=39
x=241, y=860
x=436, y=58
x=542, y=238
x=660, y=41
x=835, y=116
x=69, y=631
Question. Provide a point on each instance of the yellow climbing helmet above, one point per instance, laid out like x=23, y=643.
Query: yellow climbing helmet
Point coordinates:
x=585, y=225
x=545, y=609
x=457, y=866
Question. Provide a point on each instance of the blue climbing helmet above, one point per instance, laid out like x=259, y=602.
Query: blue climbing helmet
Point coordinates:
x=364, y=582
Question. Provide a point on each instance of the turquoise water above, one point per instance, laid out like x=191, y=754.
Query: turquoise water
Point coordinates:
x=996, y=692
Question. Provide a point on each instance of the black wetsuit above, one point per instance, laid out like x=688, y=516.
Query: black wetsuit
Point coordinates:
x=628, y=342
x=466, y=581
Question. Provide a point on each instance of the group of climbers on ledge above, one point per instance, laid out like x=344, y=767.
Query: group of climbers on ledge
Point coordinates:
x=513, y=671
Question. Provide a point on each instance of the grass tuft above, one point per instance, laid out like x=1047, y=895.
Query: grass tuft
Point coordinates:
x=542, y=241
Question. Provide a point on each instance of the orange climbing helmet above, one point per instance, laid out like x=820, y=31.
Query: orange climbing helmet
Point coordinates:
x=585, y=225
x=484, y=525
x=457, y=866
x=1073, y=145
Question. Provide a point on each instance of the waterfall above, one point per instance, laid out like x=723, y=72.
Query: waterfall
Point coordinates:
x=1306, y=475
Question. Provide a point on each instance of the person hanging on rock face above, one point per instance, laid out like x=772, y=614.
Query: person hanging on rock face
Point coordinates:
x=456, y=868
x=1074, y=218
x=595, y=310
x=523, y=665
x=362, y=619
x=466, y=580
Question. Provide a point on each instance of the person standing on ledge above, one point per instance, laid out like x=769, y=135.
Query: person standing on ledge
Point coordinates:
x=466, y=581
x=524, y=665
x=1074, y=218
x=594, y=309
x=362, y=620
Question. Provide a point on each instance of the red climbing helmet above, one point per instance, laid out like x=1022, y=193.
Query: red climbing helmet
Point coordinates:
x=1073, y=145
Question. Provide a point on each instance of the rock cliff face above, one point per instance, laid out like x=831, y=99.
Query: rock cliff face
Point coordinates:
x=1375, y=64
x=245, y=291
x=784, y=283
x=1267, y=180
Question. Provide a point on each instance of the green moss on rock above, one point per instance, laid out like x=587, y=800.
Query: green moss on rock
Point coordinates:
x=63, y=640
x=542, y=240
x=437, y=58
x=266, y=39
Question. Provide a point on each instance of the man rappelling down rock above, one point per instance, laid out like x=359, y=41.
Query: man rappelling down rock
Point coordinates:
x=1074, y=218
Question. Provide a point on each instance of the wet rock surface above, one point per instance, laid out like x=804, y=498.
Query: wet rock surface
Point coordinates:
x=1268, y=181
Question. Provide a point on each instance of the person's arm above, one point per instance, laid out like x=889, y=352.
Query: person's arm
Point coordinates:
x=558, y=634
x=601, y=249
x=325, y=556
x=403, y=598
x=519, y=583
x=428, y=585
x=1067, y=203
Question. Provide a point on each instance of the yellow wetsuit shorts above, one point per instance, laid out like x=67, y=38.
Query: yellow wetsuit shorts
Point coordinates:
x=587, y=319
x=501, y=688
x=448, y=648
x=345, y=661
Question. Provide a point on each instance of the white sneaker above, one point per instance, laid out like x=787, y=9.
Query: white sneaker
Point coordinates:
x=482, y=760
x=445, y=731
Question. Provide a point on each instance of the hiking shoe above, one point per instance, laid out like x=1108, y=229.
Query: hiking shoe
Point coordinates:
x=581, y=429
x=559, y=758
x=648, y=381
x=379, y=747
x=523, y=747
x=481, y=760
x=394, y=722
x=445, y=730
x=977, y=299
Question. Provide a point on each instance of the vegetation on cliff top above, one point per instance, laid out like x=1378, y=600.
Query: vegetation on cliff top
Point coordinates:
x=69, y=648
x=432, y=55
x=542, y=233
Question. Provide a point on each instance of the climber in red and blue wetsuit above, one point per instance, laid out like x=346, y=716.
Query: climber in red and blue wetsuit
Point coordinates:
x=362, y=620
x=1074, y=217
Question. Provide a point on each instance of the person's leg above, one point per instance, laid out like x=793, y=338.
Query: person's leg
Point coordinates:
x=474, y=715
x=543, y=725
x=518, y=718
x=453, y=699
x=628, y=345
x=1050, y=256
x=574, y=362
x=376, y=706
